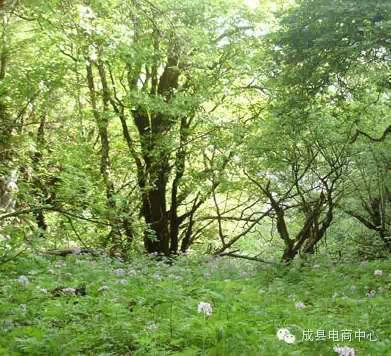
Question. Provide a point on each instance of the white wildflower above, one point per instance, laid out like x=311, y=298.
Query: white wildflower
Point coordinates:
x=43, y=290
x=152, y=326
x=119, y=272
x=344, y=351
x=299, y=305
x=103, y=288
x=378, y=273
x=371, y=293
x=132, y=272
x=285, y=335
x=205, y=308
x=23, y=280
x=122, y=282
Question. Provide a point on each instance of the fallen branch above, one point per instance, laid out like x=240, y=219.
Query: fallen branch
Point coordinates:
x=70, y=251
x=250, y=258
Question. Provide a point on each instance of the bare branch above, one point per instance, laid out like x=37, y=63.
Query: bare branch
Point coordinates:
x=249, y=258
x=386, y=132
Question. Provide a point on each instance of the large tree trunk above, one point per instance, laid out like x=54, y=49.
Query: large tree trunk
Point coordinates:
x=180, y=161
x=154, y=208
x=154, y=130
x=312, y=231
x=157, y=171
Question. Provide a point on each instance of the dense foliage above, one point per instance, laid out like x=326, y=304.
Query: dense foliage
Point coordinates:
x=239, y=129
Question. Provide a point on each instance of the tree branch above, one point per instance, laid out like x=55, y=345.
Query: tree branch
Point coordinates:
x=386, y=132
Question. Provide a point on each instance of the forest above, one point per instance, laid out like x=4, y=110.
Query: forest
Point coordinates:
x=195, y=177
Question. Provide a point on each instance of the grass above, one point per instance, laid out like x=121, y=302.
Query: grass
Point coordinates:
x=152, y=308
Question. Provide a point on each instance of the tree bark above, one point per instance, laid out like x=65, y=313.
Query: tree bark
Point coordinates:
x=157, y=170
x=102, y=124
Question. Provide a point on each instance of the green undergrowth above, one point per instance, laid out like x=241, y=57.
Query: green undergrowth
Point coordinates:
x=150, y=308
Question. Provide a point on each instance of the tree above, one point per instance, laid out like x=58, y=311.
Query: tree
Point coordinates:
x=329, y=80
x=337, y=50
x=369, y=198
x=158, y=82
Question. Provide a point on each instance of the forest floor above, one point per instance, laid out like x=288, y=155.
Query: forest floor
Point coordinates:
x=150, y=308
